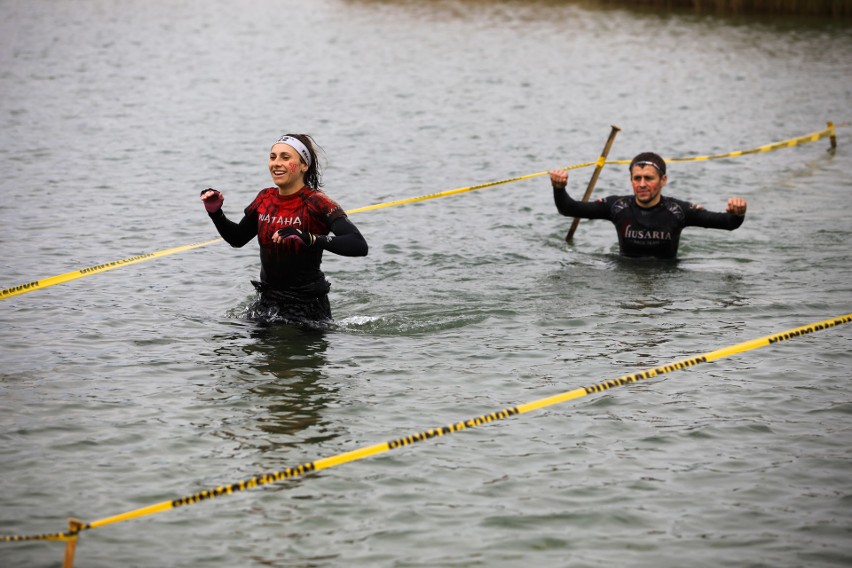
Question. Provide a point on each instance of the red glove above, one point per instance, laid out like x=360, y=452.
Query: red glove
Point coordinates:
x=212, y=199
x=293, y=240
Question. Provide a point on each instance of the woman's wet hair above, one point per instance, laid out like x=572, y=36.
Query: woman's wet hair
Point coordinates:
x=313, y=177
x=649, y=159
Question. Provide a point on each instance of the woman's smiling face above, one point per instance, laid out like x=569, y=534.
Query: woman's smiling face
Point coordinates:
x=286, y=168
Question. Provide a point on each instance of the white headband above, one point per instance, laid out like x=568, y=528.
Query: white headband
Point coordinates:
x=649, y=164
x=298, y=146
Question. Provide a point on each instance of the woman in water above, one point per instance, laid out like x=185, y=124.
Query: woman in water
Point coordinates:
x=292, y=223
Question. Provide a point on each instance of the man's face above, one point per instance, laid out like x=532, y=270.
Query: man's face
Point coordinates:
x=647, y=185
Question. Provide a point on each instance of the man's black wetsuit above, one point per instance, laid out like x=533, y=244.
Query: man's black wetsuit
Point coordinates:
x=654, y=231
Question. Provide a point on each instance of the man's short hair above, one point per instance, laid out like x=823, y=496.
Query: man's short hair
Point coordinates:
x=649, y=159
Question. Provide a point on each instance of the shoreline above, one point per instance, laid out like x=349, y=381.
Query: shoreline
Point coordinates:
x=818, y=8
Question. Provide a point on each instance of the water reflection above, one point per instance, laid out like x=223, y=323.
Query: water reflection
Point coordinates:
x=276, y=381
x=649, y=287
x=296, y=391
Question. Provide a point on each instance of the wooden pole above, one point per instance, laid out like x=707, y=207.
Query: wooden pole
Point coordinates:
x=615, y=130
x=74, y=527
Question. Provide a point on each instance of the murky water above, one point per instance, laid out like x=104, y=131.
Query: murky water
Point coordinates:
x=144, y=384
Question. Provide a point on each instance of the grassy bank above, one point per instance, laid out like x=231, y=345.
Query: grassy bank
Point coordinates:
x=829, y=8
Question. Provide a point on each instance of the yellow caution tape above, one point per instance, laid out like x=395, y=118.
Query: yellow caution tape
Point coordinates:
x=829, y=132
x=38, y=284
x=459, y=190
x=361, y=453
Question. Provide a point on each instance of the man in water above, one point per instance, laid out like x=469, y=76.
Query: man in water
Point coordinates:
x=648, y=224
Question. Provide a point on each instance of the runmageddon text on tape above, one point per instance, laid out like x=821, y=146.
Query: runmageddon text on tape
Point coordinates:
x=339, y=459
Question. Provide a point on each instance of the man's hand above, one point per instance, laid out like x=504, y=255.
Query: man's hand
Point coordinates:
x=737, y=206
x=559, y=178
